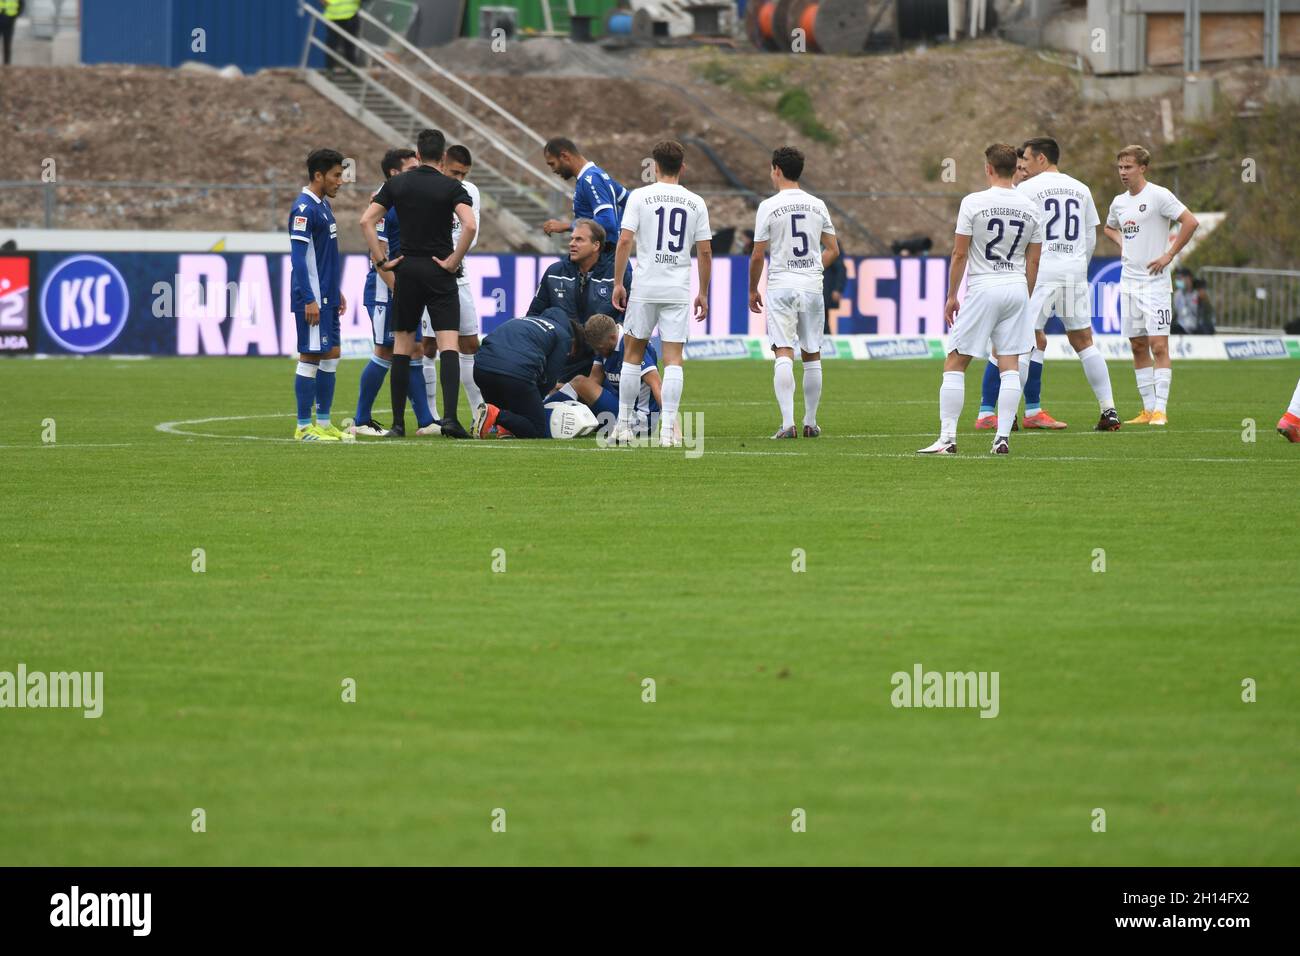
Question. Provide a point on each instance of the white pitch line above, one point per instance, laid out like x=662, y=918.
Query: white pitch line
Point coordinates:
x=55, y=444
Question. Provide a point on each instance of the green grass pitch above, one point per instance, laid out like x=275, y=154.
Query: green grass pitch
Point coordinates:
x=522, y=690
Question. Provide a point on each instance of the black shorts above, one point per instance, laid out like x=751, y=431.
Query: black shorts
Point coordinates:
x=423, y=284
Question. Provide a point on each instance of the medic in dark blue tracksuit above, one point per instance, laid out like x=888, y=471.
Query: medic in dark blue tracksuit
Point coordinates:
x=518, y=362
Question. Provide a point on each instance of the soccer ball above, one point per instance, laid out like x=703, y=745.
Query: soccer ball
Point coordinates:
x=571, y=420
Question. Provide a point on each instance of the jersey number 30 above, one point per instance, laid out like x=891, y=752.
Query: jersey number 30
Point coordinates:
x=676, y=229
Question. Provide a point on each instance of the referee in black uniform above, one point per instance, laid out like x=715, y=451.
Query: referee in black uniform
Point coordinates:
x=427, y=202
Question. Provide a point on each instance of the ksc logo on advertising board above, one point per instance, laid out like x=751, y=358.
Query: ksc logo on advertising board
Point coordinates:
x=84, y=303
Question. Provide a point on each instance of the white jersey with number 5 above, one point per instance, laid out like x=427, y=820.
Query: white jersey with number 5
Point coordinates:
x=667, y=220
x=792, y=222
x=1068, y=217
x=1001, y=224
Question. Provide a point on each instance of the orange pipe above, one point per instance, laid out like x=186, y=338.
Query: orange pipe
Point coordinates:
x=806, y=24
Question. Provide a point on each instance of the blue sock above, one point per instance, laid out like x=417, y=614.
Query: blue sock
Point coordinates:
x=416, y=393
x=372, y=380
x=1034, y=386
x=325, y=379
x=304, y=389
x=989, y=390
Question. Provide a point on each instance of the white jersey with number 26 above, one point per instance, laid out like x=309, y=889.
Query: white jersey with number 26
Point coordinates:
x=1001, y=224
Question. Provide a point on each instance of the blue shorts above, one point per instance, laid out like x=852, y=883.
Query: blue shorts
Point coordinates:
x=381, y=328
x=608, y=402
x=320, y=338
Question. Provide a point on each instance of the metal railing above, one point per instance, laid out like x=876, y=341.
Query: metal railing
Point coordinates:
x=1252, y=300
x=548, y=192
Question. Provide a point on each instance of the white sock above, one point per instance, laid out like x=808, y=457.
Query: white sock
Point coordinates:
x=1024, y=373
x=568, y=389
x=1094, y=369
x=467, y=381
x=629, y=387
x=1146, y=379
x=431, y=384
x=783, y=385
x=672, y=395
x=1008, y=403
x=812, y=390
x=1161, y=388
x=1294, y=407
x=952, y=396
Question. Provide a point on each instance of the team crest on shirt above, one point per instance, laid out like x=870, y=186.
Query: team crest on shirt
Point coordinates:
x=299, y=223
x=1142, y=208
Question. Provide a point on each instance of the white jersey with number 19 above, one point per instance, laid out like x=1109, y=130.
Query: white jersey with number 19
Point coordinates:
x=667, y=220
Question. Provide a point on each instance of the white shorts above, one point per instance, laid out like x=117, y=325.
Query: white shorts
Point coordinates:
x=996, y=313
x=1146, y=308
x=1066, y=297
x=640, y=320
x=795, y=315
x=468, y=313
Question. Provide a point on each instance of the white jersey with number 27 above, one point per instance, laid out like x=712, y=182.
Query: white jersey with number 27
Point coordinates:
x=1001, y=224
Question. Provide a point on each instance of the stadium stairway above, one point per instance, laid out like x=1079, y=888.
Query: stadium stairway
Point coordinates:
x=518, y=193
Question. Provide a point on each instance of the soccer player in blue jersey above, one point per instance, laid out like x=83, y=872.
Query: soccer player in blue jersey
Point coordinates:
x=317, y=300
x=596, y=194
x=598, y=389
x=377, y=299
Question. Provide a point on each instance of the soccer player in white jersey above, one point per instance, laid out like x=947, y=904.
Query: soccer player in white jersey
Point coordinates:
x=999, y=234
x=665, y=220
x=1139, y=221
x=1070, y=222
x=456, y=163
x=797, y=227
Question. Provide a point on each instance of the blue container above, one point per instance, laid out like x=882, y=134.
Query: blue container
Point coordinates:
x=251, y=34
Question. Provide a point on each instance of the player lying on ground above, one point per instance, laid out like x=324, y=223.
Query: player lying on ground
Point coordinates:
x=317, y=299
x=377, y=298
x=1070, y=222
x=999, y=232
x=518, y=363
x=797, y=226
x=598, y=389
x=664, y=221
x=1140, y=219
